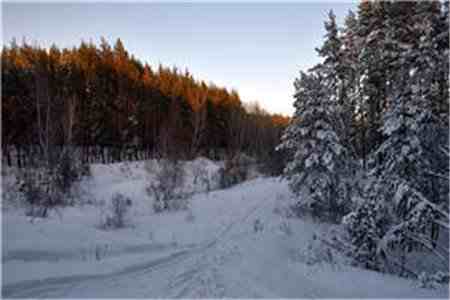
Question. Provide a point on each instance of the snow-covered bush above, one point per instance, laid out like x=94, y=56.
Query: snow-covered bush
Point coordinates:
x=41, y=190
x=116, y=215
x=166, y=187
x=49, y=185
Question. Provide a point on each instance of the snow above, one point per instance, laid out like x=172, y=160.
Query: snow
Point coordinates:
x=210, y=250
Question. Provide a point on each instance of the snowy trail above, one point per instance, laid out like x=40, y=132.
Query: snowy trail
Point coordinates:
x=73, y=285
x=57, y=287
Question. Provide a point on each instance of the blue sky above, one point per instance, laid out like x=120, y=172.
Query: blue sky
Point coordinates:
x=256, y=48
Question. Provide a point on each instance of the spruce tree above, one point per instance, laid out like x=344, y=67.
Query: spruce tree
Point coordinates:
x=319, y=160
x=400, y=182
x=372, y=72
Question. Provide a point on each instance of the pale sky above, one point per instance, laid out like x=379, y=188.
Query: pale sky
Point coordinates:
x=256, y=48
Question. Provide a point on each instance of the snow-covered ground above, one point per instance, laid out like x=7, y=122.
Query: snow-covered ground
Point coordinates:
x=209, y=250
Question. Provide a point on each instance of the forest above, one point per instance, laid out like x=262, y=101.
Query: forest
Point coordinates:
x=113, y=107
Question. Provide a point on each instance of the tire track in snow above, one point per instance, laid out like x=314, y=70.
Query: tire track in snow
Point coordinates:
x=59, y=286
x=34, y=288
x=187, y=284
x=82, y=254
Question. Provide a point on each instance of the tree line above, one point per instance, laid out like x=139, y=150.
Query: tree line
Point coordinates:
x=368, y=143
x=112, y=107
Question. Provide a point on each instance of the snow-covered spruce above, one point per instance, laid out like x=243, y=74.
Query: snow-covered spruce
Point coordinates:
x=319, y=162
x=402, y=181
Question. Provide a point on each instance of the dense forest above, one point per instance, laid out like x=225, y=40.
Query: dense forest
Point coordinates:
x=113, y=107
x=369, y=139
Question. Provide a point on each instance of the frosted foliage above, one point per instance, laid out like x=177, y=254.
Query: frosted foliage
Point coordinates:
x=319, y=160
x=401, y=166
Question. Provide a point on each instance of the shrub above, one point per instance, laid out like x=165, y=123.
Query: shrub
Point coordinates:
x=116, y=216
x=41, y=191
x=50, y=185
x=166, y=188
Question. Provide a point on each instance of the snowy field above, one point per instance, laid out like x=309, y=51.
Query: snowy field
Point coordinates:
x=230, y=243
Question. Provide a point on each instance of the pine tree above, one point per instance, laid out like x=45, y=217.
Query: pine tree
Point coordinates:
x=334, y=74
x=351, y=47
x=319, y=161
x=371, y=71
